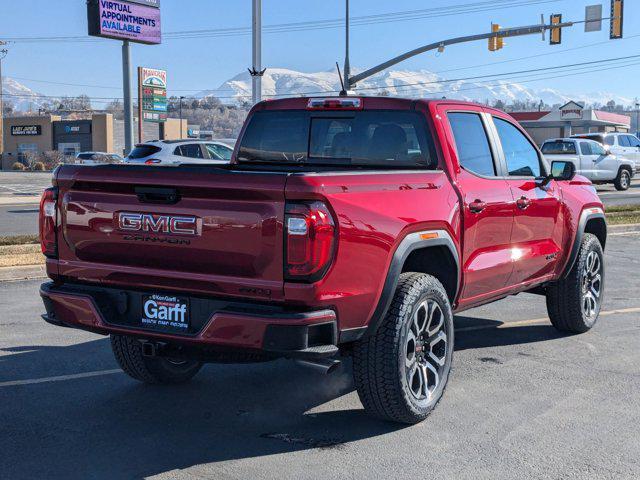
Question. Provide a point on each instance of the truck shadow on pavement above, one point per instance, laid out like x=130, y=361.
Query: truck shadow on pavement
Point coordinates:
x=110, y=426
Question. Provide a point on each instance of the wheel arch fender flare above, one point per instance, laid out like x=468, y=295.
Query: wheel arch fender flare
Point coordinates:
x=423, y=240
x=590, y=216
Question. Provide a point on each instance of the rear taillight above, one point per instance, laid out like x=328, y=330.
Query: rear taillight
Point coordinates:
x=47, y=222
x=152, y=161
x=310, y=241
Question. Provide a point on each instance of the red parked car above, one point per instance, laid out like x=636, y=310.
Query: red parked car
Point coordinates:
x=344, y=226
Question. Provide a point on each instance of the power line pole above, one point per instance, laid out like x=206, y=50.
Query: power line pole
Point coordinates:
x=3, y=53
x=181, y=98
x=256, y=71
x=128, y=102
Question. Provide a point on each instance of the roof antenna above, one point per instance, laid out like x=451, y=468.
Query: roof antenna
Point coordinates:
x=343, y=92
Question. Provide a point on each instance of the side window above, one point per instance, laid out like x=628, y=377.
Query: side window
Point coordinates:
x=585, y=148
x=597, y=149
x=216, y=152
x=633, y=141
x=521, y=157
x=610, y=140
x=623, y=141
x=472, y=144
x=191, y=150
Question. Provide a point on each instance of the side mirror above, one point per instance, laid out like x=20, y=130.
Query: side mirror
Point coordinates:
x=561, y=171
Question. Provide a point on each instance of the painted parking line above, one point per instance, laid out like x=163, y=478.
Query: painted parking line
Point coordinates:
x=60, y=378
x=99, y=373
x=538, y=321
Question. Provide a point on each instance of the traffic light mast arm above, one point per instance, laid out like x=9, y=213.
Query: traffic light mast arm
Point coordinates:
x=504, y=33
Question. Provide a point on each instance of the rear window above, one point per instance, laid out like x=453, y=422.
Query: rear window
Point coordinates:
x=559, y=148
x=362, y=138
x=142, y=151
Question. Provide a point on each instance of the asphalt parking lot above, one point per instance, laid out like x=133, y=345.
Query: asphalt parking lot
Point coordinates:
x=523, y=402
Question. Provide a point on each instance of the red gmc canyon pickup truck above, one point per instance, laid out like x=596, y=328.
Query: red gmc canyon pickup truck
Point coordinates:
x=343, y=226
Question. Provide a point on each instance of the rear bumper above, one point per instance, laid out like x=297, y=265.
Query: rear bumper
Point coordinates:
x=221, y=323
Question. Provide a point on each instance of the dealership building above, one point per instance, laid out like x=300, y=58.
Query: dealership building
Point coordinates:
x=570, y=119
x=100, y=133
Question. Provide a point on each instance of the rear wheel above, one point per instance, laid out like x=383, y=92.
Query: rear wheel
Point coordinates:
x=623, y=180
x=574, y=302
x=401, y=371
x=153, y=370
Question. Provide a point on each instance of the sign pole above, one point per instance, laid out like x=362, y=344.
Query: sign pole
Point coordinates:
x=140, y=120
x=3, y=53
x=128, y=103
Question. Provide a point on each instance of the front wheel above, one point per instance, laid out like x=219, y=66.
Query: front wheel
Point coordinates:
x=623, y=180
x=153, y=370
x=402, y=369
x=574, y=302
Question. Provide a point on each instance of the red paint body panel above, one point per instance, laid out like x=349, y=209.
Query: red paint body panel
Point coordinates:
x=240, y=252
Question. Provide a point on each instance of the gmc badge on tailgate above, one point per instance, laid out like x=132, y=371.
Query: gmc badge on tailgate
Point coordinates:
x=156, y=223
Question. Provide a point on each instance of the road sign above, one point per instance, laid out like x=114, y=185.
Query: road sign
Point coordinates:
x=593, y=18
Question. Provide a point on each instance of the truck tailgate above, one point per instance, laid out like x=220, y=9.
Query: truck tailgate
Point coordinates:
x=222, y=235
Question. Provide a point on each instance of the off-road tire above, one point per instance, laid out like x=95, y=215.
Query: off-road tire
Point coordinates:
x=152, y=370
x=565, y=297
x=623, y=180
x=379, y=358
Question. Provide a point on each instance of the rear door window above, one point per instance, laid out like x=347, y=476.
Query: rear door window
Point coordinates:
x=472, y=143
x=362, y=138
x=191, y=150
x=623, y=141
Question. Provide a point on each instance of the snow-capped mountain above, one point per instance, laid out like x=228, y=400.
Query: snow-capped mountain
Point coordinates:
x=20, y=96
x=405, y=83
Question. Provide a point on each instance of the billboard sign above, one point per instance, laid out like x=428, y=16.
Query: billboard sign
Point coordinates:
x=153, y=94
x=125, y=20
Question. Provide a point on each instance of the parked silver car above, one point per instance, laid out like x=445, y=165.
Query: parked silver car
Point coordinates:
x=176, y=152
x=622, y=145
x=592, y=160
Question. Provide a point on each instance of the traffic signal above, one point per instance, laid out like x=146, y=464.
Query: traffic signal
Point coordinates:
x=617, y=17
x=495, y=42
x=555, y=38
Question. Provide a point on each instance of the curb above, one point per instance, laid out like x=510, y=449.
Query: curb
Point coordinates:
x=625, y=227
x=29, y=272
x=20, y=200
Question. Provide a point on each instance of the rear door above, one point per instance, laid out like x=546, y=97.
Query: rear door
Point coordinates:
x=536, y=238
x=488, y=206
x=198, y=229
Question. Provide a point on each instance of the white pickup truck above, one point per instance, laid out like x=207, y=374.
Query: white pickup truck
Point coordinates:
x=592, y=160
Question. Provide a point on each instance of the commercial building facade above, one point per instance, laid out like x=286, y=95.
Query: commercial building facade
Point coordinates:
x=570, y=119
x=102, y=133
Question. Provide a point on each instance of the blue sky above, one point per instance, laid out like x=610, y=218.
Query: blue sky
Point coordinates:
x=196, y=64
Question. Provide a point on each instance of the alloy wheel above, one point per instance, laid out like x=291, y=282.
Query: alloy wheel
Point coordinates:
x=425, y=350
x=591, y=285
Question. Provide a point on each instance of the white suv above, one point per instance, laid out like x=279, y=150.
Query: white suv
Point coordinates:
x=176, y=152
x=622, y=145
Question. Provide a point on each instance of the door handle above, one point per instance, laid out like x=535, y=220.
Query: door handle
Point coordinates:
x=477, y=206
x=523, y=203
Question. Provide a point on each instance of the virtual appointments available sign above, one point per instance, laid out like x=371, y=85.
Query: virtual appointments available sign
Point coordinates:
x=136, y=20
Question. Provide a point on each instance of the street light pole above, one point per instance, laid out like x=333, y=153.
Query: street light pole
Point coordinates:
x=181, y=98
x=256, y=70
x=3, y=53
